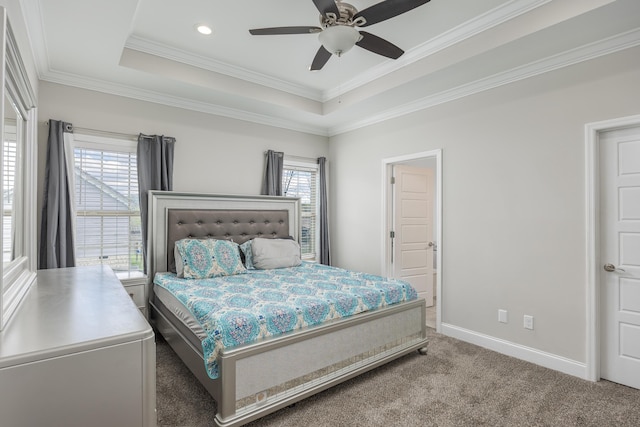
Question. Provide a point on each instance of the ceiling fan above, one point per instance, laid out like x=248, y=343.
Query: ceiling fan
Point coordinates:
x=337, y=32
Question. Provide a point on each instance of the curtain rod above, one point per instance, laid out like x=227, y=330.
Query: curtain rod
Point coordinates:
x=300, y=158
x=105, y=133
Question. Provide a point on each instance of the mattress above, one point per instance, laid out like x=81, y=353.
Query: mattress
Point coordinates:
x=245, y=308
x=169, y=304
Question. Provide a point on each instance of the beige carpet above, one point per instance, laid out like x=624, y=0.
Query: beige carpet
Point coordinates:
x=456, y=384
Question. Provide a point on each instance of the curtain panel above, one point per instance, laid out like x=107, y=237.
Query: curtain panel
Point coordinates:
x=57, y=231
x=272, y=182
x=155, y=172
x=324, y=257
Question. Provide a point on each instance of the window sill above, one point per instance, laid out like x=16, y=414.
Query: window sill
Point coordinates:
x=132, y=278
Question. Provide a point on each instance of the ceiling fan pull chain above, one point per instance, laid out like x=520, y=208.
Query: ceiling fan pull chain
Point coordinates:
x=340, y=82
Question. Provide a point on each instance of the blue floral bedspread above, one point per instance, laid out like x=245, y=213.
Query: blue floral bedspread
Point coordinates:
x=239, y=309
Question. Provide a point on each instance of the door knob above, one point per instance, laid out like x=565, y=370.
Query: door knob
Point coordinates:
x=611, y=267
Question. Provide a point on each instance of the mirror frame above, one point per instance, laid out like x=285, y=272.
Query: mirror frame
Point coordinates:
x=18, y=275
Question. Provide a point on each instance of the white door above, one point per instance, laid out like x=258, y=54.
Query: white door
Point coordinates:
x=620, y=256
x=413, y=228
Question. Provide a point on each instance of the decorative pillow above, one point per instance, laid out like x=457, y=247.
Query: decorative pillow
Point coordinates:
x=275, y=253
x=178, y=260
x=248, y=254
x=202, y=259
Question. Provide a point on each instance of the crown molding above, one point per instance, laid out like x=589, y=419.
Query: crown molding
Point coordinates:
x=35, y=33
x=466, y=30
x=162, y=50
x=584, y=53
x=587, y=52
x=132, y=92
x=33, y=18
x=460, y=33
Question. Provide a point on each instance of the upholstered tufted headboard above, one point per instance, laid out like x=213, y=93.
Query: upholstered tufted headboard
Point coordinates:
x=236, y=225
x=173, y=216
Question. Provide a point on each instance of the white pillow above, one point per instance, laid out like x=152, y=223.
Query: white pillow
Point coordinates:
x=275, y=253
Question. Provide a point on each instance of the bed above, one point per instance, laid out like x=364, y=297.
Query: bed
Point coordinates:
x=253, y=378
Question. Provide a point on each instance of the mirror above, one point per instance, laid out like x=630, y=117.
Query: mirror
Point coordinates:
x=11, y=148
x=17, y=176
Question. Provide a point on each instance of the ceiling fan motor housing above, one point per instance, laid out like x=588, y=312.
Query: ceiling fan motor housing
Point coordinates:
x=347, y=12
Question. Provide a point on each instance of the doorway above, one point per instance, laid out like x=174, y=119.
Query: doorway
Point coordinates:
x=416, y=254
x=613, y=183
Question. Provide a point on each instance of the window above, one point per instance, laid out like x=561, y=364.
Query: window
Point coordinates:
x=300, y=180
x=108, y=229
x=9, y=172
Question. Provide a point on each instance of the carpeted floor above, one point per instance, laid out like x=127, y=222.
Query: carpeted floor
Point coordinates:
x=456, y=384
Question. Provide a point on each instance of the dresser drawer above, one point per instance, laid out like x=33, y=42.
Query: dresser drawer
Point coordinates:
x=136, y=292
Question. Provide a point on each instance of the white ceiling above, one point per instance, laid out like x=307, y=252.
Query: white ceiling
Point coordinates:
x=149, y=50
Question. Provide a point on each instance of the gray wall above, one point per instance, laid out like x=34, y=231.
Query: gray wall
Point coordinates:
x=513, y=176
x=513, y=198
x=212, y=154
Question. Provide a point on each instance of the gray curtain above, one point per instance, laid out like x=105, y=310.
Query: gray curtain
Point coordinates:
x=58, y=210
x=155, y=172
x=324, y=256
x=272, y=182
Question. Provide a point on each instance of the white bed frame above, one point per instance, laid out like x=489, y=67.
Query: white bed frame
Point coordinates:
x=261, y=378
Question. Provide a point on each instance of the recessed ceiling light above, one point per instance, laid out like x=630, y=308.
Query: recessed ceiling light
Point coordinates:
x=203, y=29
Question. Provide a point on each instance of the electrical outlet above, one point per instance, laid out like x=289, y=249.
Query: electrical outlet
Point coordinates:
x=502, y=316
x=261, y=397
x=528, y=322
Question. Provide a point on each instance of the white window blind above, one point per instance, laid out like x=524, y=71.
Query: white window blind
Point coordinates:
x=10, y=158
x=108, y=227
x=301, y=181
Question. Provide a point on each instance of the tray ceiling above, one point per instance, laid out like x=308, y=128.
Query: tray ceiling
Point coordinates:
x=150, y=50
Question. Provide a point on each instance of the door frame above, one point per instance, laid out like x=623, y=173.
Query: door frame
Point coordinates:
x=387, y=217
x=593, y=261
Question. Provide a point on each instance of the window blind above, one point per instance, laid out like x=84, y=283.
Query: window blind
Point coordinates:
x=107, y=209
x=302, y=182
x=10, y=158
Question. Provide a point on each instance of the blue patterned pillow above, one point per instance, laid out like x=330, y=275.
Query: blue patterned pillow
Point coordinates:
x=248, y=254
x=202, y=259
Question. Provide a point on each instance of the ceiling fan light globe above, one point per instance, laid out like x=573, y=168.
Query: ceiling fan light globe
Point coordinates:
x=339, y=39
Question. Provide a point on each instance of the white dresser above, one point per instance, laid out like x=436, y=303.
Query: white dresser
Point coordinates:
x=78, y=352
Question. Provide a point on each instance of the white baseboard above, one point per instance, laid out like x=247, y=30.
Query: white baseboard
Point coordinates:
x=548, y=360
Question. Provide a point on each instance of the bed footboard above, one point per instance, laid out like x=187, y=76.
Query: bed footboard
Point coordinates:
x=302, y=364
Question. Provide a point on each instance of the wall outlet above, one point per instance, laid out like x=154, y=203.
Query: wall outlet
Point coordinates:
x=502, y=316
x=528, y=322
x=261, y=397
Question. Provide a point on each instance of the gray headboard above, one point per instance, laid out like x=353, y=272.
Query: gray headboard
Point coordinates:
x=173, y=216
x=236, y=225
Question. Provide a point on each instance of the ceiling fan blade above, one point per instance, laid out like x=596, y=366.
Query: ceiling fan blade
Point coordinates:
x=385, y=10
x=327, y=6
x=284, y=30
x=321, y=58
x=378, y=45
